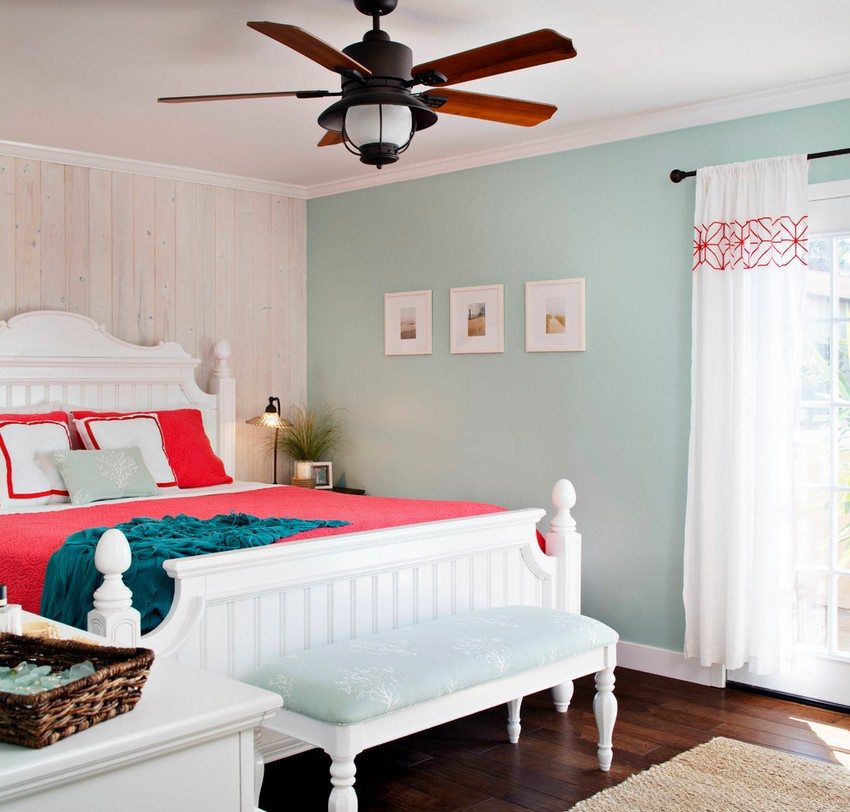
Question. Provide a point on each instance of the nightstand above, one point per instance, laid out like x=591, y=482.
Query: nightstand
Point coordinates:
x=188, y=744
x=351, y=491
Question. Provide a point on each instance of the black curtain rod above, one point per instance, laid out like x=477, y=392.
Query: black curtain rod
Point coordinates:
x=678, y=175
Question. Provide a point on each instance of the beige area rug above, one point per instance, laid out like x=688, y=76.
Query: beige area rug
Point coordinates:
x=724, y=775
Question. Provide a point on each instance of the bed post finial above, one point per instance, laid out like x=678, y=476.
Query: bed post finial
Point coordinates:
x=564, y=500
x=223, y=353
x=564, y=543
x=113, y=616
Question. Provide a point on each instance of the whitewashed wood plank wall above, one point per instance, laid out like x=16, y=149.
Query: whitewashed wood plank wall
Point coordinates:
x=157, y=259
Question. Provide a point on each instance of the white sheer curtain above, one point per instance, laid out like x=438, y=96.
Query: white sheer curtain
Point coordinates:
x=750, y=251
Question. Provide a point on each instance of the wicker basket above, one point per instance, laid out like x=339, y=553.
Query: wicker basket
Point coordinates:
x=44, y=718
x=303, y=483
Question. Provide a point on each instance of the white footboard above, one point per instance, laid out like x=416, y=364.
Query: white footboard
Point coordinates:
x=234, y=611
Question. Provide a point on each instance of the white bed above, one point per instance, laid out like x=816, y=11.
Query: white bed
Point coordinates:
x=234, y=611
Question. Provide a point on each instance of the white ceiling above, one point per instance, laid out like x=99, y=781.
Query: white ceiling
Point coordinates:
x=84, y=75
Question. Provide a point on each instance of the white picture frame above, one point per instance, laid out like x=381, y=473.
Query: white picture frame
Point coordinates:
x=477, y=319
x=407, y=323
x=323, y=475
x=555, y=315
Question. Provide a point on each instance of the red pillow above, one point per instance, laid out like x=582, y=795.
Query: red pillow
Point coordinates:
x=186, y=445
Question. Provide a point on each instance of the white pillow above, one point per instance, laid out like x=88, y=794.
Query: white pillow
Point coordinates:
x=28, y=473
x=142, y=430
x=34, y=408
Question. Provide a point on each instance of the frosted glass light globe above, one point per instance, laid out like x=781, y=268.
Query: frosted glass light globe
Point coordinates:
x=363, y=124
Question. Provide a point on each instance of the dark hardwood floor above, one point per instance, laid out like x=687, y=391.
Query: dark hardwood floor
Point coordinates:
x=468, y=764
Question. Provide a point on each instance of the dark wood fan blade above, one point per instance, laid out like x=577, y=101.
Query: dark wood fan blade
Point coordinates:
x=302, y=94
x=490, y=108
x=525, y=51
x=311, y=47
x=330, y=139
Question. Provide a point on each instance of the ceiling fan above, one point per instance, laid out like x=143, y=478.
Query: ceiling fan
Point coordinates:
x=378, y=114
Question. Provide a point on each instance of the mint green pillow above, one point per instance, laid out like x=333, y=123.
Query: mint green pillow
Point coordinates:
x=113, y=473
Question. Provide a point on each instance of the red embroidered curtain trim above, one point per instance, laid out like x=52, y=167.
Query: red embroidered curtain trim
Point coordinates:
x=758, y=243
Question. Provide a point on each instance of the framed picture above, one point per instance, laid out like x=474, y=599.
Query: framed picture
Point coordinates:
x=477, y=319
x=323, y=473
x=407, y=323
x=554, y=316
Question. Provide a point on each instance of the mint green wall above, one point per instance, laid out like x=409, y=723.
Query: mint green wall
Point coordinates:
x=503, y=428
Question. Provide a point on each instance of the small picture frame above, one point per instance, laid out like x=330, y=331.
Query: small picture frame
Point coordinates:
x=555, y=316
x=407, y=323
x=323, y=474
x=477, y=318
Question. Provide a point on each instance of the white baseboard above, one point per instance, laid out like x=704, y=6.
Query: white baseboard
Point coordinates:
x=666, y=663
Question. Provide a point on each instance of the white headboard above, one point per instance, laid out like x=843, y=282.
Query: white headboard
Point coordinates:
x=50, y=355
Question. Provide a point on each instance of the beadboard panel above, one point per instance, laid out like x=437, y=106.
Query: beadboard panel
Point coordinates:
x=156, y=259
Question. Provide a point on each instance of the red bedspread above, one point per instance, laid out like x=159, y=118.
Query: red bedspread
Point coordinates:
x=27, y=540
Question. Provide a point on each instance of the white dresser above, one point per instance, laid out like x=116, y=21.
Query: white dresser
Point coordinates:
x=188, y=745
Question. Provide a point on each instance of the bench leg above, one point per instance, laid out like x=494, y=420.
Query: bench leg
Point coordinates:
x=343, y=797
x=561, y=696
x=605, y=711
x=513, y=720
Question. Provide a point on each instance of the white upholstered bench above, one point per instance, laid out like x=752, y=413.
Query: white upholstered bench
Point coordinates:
x=348, y=696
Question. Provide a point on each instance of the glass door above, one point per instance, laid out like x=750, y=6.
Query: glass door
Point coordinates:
x=822, y=670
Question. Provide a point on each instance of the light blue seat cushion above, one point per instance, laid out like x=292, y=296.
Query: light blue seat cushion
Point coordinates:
x=360, y=679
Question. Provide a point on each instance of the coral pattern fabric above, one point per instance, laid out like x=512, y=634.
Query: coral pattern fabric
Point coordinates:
x=187, y=446
x=760, y=242
x=27, y=540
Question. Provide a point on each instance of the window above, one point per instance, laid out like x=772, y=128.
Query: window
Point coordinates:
x=823, y=452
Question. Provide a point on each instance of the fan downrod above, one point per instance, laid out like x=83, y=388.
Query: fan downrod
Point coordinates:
x=375, y=8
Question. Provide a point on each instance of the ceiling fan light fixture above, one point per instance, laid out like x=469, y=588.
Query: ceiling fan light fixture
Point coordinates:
x=377, y=114
x=377, y=123
x=378, y=133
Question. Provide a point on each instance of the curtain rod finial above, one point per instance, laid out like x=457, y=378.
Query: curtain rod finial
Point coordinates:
x=677, y=175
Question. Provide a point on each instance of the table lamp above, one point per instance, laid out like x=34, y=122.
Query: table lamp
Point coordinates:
x=271, y=419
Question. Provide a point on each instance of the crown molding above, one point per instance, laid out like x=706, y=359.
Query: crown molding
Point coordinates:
x=803, y=94
x=94, y=161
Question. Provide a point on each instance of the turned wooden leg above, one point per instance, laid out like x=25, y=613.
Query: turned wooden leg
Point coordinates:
x=605, y=711
x=513, y=720
x=561, y=696
x=343, y=797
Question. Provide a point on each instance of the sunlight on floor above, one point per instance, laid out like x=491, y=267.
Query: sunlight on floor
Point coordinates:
x=836, y=738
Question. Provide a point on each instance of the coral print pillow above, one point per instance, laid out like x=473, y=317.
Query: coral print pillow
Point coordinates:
x=127, y=431
x=115, y=473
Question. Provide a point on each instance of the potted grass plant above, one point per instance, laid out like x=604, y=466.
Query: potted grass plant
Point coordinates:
x=314, y=432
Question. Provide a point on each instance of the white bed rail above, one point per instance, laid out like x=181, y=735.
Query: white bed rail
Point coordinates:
x=234, y=611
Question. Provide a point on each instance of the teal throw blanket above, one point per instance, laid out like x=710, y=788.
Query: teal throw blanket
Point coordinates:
x=71, y=577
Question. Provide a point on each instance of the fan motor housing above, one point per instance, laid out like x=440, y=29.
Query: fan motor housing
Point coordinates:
x=385, y=58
